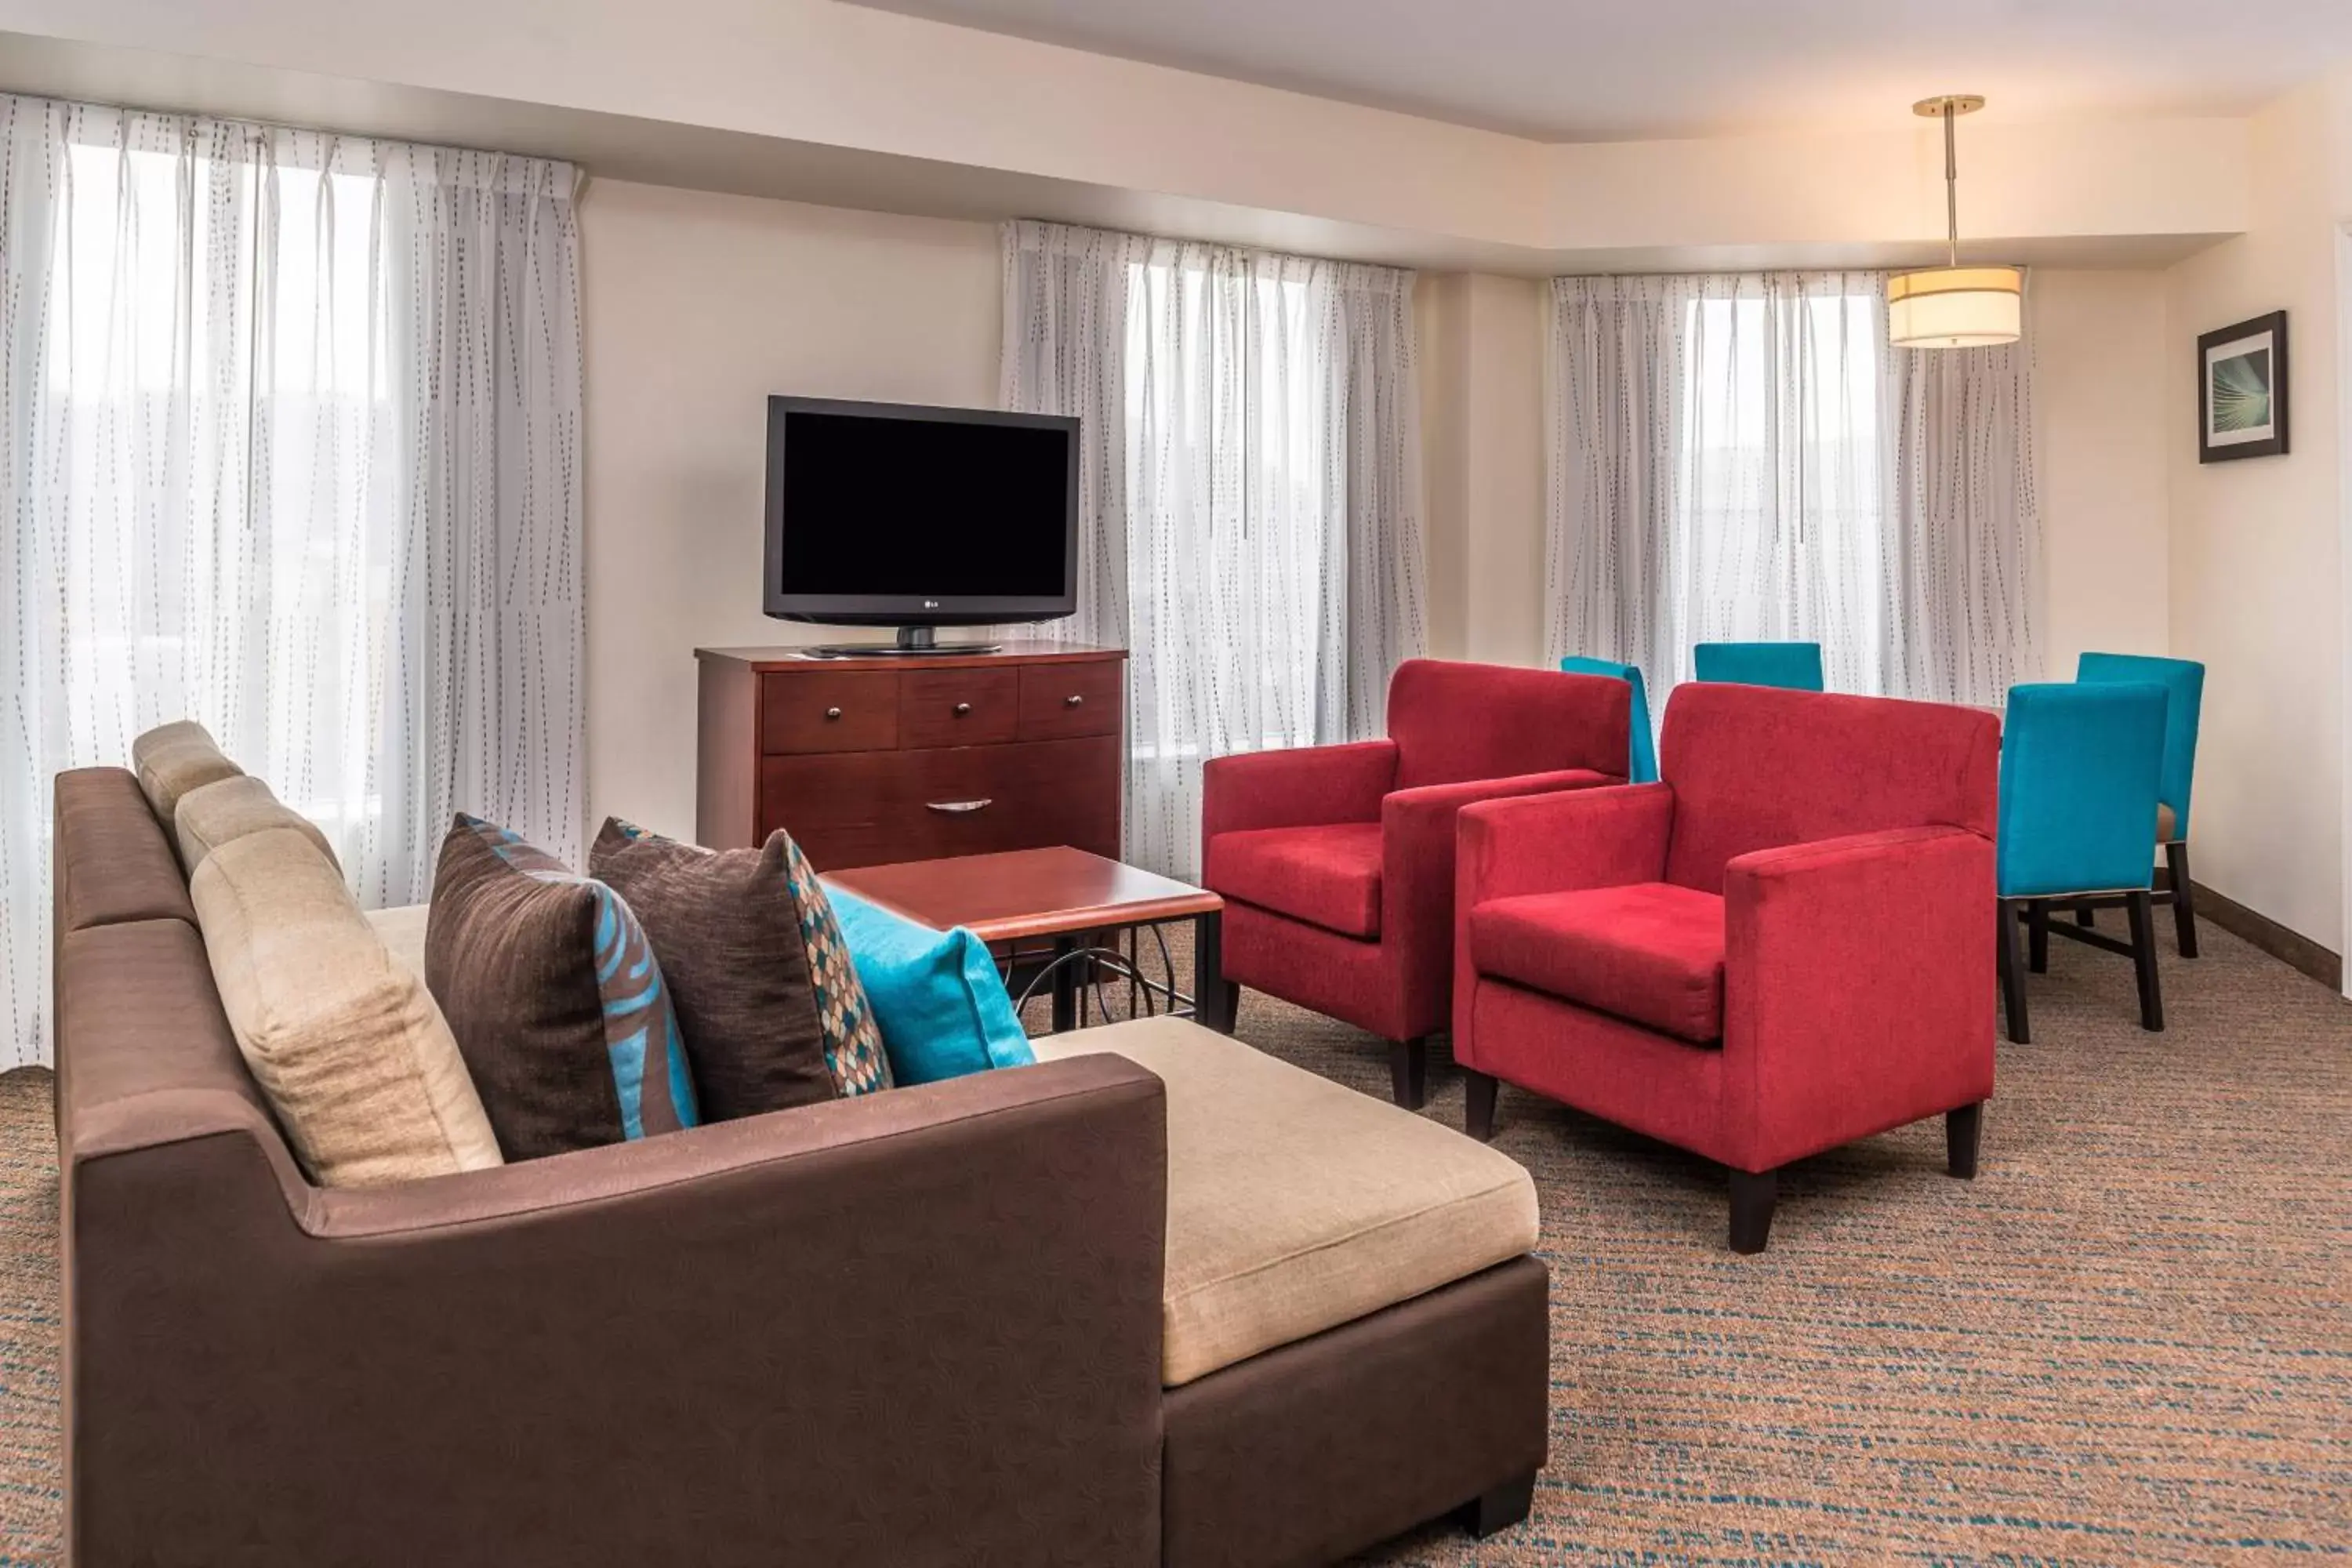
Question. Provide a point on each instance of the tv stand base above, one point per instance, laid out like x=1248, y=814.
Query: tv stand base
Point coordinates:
x=912, y=640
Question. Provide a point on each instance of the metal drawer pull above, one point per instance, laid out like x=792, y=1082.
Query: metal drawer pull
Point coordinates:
x=954, y=805
x=961, y=709
x=1073, y=700
x=832, y=712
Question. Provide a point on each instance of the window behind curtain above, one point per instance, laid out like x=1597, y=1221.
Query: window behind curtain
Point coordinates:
x=1250, y=513
x=1779, y=515
x=1742, y=457
x=224, y=469
x=289, y=446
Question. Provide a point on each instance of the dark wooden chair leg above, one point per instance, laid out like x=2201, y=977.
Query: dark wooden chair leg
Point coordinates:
x=1962, y=1129
x=1753, y=1193
x=2012, y=963
x=1478, y=1104
x=2141, y=908
x=2037, y=936
x=2184, y=899
x=1409, y=1071
x=1496, y=1511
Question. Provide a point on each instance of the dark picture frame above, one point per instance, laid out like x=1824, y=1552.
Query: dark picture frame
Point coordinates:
x=2242, y=391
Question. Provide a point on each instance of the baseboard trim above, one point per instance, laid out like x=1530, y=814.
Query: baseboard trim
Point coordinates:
x=2292, y=948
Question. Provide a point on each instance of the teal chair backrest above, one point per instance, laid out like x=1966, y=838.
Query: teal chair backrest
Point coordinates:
x=1642, y=767
x=2183, y=680
x=2078, y=774
x=1794, y=665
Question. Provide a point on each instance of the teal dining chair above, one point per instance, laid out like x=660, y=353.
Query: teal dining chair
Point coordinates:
x=2079, y=770
x=1642, y=766
x=1794, y=665
x=2183, y=680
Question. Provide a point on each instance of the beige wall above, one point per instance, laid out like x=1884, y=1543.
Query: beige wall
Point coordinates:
x=694, y=308
x=1483, y=465
x=2099, y=351
x=2257, y=566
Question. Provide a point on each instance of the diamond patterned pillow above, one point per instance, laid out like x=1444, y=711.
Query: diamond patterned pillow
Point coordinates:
x=853, y=1045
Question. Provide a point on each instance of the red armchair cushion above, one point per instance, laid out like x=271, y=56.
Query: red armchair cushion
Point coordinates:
x=1328, y=876
x=1649, y=951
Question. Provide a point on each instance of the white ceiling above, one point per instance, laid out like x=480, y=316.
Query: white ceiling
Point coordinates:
x=1607, y=70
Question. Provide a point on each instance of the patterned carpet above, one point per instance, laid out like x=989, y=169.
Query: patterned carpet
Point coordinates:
x=2129, y=1340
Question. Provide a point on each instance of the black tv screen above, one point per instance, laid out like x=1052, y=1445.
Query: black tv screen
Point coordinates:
x=881, y=514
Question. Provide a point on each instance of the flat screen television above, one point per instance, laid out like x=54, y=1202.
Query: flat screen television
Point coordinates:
x=897, y=515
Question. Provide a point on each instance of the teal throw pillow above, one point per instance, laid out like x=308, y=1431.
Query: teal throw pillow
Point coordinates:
x=935, y=994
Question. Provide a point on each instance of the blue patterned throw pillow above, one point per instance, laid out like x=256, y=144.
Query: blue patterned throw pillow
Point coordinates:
x=555, y=998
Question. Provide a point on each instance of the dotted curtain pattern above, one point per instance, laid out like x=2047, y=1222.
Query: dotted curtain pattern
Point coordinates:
x=289, y=444
x=1744, y=456
x=1251, y=480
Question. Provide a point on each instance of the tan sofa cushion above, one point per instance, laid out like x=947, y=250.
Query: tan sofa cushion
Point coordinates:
x=403, y=930
x=211, y=814
x=1294, y=1204
x=173, y=759
x=344, y=1041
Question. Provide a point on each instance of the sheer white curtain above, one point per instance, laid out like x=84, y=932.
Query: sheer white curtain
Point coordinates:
x=289, y=444
x=1744, y=456
x=1252, y=490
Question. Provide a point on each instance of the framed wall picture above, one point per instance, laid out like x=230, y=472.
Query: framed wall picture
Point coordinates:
x=2241, y=390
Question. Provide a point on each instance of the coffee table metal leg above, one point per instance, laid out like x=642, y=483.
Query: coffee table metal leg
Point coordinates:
x=1065, y=984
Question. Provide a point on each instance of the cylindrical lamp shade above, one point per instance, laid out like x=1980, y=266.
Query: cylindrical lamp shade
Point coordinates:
x=1955, y=307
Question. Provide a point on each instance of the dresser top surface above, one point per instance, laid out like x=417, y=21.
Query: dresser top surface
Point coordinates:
x=1030, y=650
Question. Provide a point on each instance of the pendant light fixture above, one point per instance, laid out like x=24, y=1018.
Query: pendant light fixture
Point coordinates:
x=1953, y=307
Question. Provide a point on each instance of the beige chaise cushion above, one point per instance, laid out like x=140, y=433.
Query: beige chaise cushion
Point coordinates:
x=1294, y=1204
x=344, y=1041
x=173, y=759
x=211, y=814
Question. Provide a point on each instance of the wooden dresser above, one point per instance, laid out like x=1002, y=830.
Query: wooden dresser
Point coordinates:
x=870, y=761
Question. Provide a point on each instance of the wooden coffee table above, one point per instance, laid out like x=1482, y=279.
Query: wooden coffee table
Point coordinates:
x=1067, y=897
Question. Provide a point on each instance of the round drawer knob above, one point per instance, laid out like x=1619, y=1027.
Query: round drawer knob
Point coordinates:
x=832, y=712
x=961, y=709
x=1073, y=700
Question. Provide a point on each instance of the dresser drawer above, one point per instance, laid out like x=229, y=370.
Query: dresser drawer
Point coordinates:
x=829, y=711
x=872, y=807
x=1059, y=699
x=958, y=707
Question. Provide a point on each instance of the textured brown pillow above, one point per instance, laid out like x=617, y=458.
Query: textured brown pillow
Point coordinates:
x=556, y=998
x=724, y=926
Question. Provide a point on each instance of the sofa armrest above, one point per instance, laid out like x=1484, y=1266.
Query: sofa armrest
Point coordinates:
x=1558, y=842
x=854, y=1332
x=1858, y=987
x=1298, y=787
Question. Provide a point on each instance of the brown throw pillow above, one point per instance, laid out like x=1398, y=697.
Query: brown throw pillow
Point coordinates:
x=724, y=926
x=556, y=998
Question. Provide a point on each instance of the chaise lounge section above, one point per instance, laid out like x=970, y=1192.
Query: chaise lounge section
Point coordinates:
x=1158, y=1300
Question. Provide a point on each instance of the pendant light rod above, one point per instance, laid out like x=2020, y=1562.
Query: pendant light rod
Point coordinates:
x=1951, y=192
x=1948, y=107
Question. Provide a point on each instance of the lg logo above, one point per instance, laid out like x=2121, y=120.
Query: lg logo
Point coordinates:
x=930, y=603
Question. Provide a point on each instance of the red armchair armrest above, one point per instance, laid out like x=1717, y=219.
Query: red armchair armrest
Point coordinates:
x=1301, y=786
x=1858, y=987
x=1558, y=842
x=1419, y=838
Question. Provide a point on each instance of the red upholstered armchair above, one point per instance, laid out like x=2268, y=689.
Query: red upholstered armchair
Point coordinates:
x=1784, y=945
x=1336, y=862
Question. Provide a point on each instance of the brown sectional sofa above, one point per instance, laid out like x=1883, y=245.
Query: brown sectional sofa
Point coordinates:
x=928, y=1326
